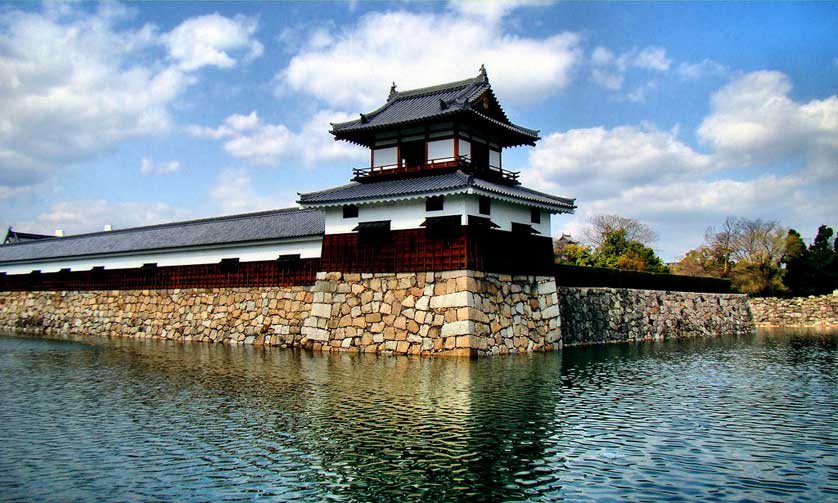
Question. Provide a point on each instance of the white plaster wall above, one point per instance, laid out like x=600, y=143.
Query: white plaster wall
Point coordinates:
x=384, y=156
x=494, y=158
x=407, y=214
x=309, y=248
x=411, y=213
x=504, y=213
x=464, y=148
x=441, y=149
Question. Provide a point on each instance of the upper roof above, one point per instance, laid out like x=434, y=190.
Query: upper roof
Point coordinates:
x=470, y=98
x=449, y=183
x=250, y=227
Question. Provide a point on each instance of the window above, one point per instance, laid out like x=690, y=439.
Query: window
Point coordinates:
x=434, y=203
x=535, y=215
x=229, y=264
x=350, y=211
x=413, y=154
x=485, y=205
x=479, y=155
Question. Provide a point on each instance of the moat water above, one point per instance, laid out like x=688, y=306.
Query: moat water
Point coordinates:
x=751, y=418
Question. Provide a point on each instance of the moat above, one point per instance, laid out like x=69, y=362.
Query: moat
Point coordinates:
x=749, y=418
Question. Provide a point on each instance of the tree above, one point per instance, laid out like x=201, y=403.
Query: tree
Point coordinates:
x=601, y=226
x=619, y=252
x=746, y=251
x=822, y=262
x=574, y=254
x=796, y=260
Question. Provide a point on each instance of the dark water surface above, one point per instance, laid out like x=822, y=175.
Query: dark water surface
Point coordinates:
x=733, y=419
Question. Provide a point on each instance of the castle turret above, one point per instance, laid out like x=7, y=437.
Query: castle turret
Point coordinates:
x=435, y=193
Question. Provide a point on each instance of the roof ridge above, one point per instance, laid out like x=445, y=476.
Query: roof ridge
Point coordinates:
x=411, y=93
x=166, y=224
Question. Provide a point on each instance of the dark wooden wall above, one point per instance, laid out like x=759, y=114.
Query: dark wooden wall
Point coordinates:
x=416, y=250
x=244, y=274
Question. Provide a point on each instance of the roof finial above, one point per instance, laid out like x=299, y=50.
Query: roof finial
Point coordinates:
x=482, y=74
x=392, y=91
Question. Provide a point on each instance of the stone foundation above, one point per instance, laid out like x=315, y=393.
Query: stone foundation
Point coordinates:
x=598, y=315
x=452, y=312
x=814, y=311
x=264, y=315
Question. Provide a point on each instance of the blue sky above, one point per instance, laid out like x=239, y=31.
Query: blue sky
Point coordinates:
x=675, y=114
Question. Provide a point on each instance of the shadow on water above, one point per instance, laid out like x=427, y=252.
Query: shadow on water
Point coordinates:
x=750, y=417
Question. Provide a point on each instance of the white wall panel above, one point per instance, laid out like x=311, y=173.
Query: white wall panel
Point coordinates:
x=305, y=248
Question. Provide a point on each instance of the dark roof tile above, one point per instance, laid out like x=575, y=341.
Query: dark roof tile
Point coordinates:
x=262, y=226
x=449, y=182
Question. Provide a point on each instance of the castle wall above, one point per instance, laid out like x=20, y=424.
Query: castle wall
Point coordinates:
x=813, y=311
x=600, y=315
x=452, y=312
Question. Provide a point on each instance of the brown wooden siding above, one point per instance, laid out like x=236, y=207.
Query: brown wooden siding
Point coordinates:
x=245, y=274
x=414, y=250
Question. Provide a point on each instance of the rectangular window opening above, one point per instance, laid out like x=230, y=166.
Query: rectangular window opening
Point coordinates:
x=535, y=215
x=350, y=211
x=485, y=205
x=434, y=203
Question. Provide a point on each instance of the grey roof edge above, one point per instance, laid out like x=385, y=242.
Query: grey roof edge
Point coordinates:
x=460, y=182
x=199, y=221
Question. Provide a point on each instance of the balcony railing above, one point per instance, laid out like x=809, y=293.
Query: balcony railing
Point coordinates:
x=446, y=163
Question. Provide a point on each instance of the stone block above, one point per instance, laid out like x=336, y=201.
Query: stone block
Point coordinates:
x=457, y=328
x=457, y=299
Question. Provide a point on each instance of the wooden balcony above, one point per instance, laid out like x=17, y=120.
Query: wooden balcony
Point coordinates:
x=433, y=167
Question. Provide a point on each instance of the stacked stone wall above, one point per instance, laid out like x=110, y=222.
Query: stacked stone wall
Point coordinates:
x=814, y=311
x=265, y=315
x=452, y=312
x=599, y=315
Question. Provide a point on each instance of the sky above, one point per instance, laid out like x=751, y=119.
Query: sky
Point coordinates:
x=675, y=114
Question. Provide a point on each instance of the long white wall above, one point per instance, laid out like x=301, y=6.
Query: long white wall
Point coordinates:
x=308, y=248
x=411, y=213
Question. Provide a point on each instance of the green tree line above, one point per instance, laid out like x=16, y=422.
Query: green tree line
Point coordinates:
x=758, y=257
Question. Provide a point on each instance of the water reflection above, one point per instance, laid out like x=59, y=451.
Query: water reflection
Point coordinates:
x=711, y=419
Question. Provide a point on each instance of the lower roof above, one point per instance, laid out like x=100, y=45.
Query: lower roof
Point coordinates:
x=246, y=228
x=450, y=183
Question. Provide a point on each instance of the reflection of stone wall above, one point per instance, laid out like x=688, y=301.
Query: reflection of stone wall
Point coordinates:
x=594, y=315
x=820, y=311
x=453, y=312
x=265, y=315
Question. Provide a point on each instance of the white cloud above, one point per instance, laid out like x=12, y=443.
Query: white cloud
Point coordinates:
x=74, y=217
x=603, y=162
x=353, y=68
x=234, y=193
x=74, y=85
x=149, y=167
x=491, y=11
x=651, y=175
x=695, y=71
x=609, y=70
x=209, y=40
x=753, y=120
x=249, y=138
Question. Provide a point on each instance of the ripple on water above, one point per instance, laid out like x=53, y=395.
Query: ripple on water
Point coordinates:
x=749, y=418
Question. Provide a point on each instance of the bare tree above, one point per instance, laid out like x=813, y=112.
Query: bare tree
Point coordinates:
x=603, y=225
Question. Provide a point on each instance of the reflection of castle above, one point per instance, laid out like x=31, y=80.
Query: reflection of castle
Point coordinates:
x=435, y=197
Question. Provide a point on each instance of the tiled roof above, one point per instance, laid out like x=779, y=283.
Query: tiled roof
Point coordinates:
x=251, y=227
x=455, y=182
x=405, y=107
